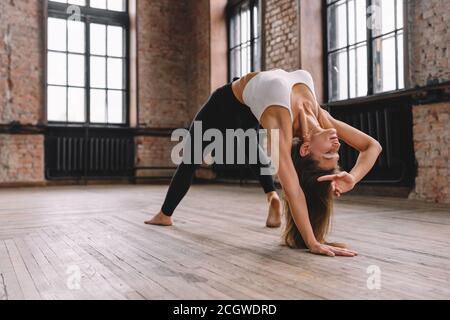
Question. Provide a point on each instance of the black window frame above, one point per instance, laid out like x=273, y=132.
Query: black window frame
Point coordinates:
x=100, y=16
x=234, y=7
x=370, y=38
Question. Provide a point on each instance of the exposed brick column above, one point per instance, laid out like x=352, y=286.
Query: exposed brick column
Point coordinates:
x=431, y=143
x=281, y=34
x=174, y=71
x=21, y=89
x=429, y=48
x=163, y=60
x=429, y=22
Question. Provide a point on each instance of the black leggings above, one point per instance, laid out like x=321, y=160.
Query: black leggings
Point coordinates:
x=221, y=111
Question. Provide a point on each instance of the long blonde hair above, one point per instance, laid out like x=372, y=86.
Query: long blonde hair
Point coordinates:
x=319, y=200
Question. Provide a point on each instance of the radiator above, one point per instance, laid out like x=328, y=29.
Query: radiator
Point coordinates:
x=77, y=155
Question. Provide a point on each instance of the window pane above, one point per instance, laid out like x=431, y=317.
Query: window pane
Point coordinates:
x=78, y=2
x=76, y=70
x=351, y=22
x=98, y=39
x=352, y=72
x=57, y=68
x=337, y=26
x=115, y=73
x=256, y=21
x=76, y=36
x=245, y=59
x=361, y=71
x=238, y=67
x=384, y=64
x=358, y=71
x=238, y=29
x=98, y=72
x=233, y=29
x=384, y=11
x=57, y=34
x=56, y=103
x=338, y=75
x=245, y=25
x=76, y=107
x=115, y=41
x=98, y=106
x=116, y=5
x=257, y=55
x=99, y=4
x=361, y=21
x=235, y=63
x=400, y=62
x=115, y=107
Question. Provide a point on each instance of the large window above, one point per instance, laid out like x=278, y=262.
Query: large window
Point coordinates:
x=87, y=62
x=244, y=37
x=364, y=47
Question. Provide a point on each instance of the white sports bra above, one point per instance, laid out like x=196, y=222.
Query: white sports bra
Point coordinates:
x=274, y=87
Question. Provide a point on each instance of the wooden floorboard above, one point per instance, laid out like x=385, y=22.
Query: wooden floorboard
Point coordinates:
x=94, y=236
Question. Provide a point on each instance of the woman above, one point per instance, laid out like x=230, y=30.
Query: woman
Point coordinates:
x=308, y=165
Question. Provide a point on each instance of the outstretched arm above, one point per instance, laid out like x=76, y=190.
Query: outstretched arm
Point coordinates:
x=294, y=193
x=369, y=150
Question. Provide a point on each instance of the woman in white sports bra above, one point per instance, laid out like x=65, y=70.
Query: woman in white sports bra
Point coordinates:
x=308, y=153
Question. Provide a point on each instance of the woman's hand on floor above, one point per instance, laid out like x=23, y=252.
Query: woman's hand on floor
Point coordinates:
x=327, y=250
x=340, y=182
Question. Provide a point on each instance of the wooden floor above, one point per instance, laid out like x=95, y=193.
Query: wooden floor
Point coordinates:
x=90, y=243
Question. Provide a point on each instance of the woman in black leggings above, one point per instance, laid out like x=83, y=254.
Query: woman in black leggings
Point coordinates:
x=221, y=111
x=304, y=141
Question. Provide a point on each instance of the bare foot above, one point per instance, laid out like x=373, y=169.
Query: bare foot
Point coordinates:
x=160, y=220
x=275, y=206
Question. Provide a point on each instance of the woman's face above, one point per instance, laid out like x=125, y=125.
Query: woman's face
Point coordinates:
x=323, y=145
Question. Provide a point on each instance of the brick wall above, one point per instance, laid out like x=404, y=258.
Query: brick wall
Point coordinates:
x=198, y=59
x=174, y=78
x=429, y=24
x=163, y=62
x=432, y=152
x=281, y=34
x=173, y=39
x=153, y=151
x=21, y=61
x=174, y=70
x=21, y=159
x=429, y=46
x=21, y=89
